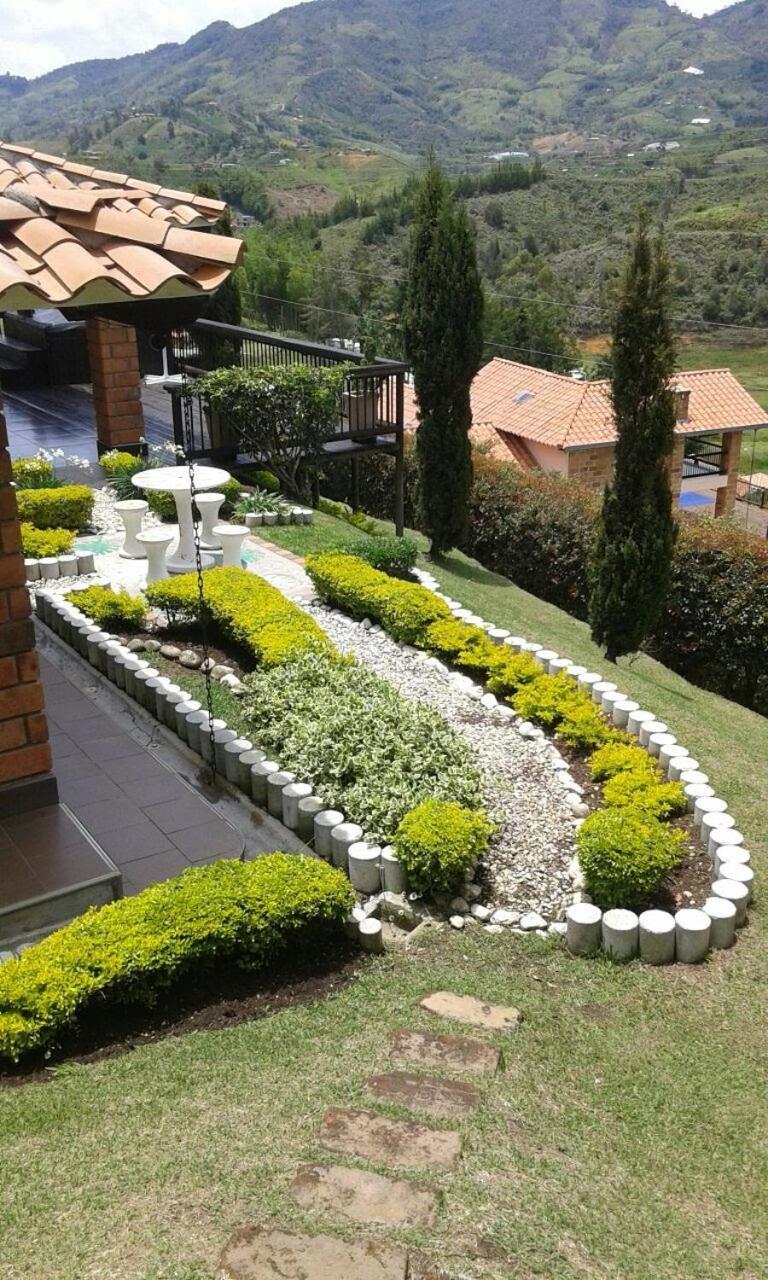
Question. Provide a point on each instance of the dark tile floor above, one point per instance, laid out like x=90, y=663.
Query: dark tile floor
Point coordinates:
x=63, y=418
x=44, y=852
x=145, y=817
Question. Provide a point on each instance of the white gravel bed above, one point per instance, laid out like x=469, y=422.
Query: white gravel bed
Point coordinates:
x=526, y=867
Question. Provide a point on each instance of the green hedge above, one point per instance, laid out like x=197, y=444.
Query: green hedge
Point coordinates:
x=363, y=747
x=538, y=530
x=247, y=610
x=110, y=608
x=232, y=912
x=38, y=543
x=33, y=473
x=438, y=843
x=68, y=507
x=405, y=609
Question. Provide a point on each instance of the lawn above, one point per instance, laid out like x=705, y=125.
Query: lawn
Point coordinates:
x=624, y=1139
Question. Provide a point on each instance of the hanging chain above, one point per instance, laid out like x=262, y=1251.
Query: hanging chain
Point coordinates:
x=202, y=612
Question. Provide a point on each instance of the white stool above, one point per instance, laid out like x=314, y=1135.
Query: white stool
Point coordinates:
x=231, y=540
x=209, y=505
x=154, y=544
x=132, y=513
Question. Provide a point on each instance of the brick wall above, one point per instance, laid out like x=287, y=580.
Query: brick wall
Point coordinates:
x=25, y=752
x=591, y=467
x=676, y=467
x=726, y=496
x=114, y=359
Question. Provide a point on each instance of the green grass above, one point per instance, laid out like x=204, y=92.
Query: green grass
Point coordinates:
x=324, y=534
x=750, y=366
x=623, y=1140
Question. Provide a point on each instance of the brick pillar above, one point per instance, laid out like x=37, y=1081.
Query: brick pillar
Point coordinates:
x=725, y=500
x=114, y=358
x=675, y=468
x=25, y=753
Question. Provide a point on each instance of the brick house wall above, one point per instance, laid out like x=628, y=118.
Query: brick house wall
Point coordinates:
x=25, y=752
x=593, y=467
x=725, y=502
x=114, y=357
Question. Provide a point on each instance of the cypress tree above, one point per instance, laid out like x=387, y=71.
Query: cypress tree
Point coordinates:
x=636, y=533
x=443, y=320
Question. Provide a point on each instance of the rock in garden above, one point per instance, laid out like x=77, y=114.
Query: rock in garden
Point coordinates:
x=459, y=906
x=456, y=922
x=502, y=916
x=396, y=908
x=136, y=646
x=526, y=730
x=505, y=714
x=480, y=912
x=152, y=646
x=493, y=928
x=170, y=651
x=475, y=693
x=220, y=670
x=576, y=805
x=532, y=920
x=366, y=624
x=472, y=892
x=489, y=701
x=207, y=665
x=188, y=658
x=558, y=929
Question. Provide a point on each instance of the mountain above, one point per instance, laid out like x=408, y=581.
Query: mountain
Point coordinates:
x=401, y=74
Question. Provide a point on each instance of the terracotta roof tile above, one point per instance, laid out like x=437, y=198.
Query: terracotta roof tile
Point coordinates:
x=513, y=403
x=70, y=232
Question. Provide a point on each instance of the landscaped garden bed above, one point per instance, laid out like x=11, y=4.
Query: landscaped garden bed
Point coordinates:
x=519, y=770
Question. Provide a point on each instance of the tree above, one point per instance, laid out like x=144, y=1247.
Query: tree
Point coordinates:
x=636, y=532
x=532, y=334
x=443, y=322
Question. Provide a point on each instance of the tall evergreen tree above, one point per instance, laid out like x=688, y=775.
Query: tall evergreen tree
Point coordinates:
x=637, y=530
x=443, y=321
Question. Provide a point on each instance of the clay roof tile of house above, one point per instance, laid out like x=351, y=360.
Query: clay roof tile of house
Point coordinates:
x=568, y=413
x=73, y=233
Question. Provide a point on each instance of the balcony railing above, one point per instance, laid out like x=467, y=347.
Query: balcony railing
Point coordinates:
x=371, y=403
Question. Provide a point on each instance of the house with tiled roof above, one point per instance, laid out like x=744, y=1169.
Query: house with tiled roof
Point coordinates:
x=535, y=419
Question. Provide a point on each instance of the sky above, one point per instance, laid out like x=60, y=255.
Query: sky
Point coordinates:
x=39, y=35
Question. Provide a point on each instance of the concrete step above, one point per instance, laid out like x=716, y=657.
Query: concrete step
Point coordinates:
x=450, y=1098
x=401, y=1144
x=334, y=1191
x=257, y=1253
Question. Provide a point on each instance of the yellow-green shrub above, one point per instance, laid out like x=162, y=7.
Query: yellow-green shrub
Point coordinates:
x=247, y=610
x=37, y=543
x=618, y=757
x=511, y=671
x=116, y=461
x=230, y=912
x=405, y=609
x=583, y=727
x=438, y=841
x=110, y=608
x=642, y=791
x=68, y=507
x=625, y=855
x=33, y=473
x=546, y=700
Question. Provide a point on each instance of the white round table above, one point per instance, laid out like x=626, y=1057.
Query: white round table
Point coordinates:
x=176, y=481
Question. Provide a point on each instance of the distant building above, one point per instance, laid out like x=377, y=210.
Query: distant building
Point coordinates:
x=563, y=425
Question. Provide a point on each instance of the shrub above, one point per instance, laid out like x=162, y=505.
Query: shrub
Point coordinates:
x=438, y=842
x=34, y=473
x=583, y=727
x=618, y=757
x=389, y=554
x=512, y=671
x=625, y=856
x=68, y=507
x=245, y=913
x=404, y=609
x=110, y=608
x=259, y=500
x=37, y=543
x=116, y=461
x=547, y=700
x=640, y=790
x=342, y=511
x=363, y=747
x=247, y=610
x=259, y=479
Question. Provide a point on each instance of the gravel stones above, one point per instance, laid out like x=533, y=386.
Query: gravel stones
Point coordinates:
x=526, y=866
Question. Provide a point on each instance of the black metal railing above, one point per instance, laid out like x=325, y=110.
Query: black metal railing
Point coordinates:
x=753, y=493
x=371, y=402
x=704, y=456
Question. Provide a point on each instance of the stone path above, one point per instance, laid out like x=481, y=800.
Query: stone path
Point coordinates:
x=368, y=1199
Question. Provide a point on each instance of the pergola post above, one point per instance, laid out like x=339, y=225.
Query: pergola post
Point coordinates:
x=26, y=781
x=114, y=358
x=725, y=499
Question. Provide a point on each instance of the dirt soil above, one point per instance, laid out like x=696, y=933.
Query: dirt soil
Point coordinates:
x=222, y=998
x=294, y=201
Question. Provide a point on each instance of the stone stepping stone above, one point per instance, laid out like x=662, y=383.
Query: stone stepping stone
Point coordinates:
x=360, y=1196
x=491, y=1017
x=258, y=1253
x=381, y=1140
x=446, y=1053
x=426, y=1093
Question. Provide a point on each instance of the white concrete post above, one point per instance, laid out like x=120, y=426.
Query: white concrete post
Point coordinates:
x=293, y=793
x=669, y=752
x=721, y=838
x=709, y=805
x=364, y=867
x=221, y=740
x=722, y=913
x=657, y=937
x=260, y=772
x=244, y=766
x=692, y=929
x=308, y=811
x=647, y=728
x=232, y=752
x=393, y=874
x=741, y=872
x=658, y=740
x=371, y=936
x=342, y=839
x=735, y=892
x=622, y=711
x=325, y=821
x=583, y=931
x=638, y=718
x=620, y=934
x=679, y=765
